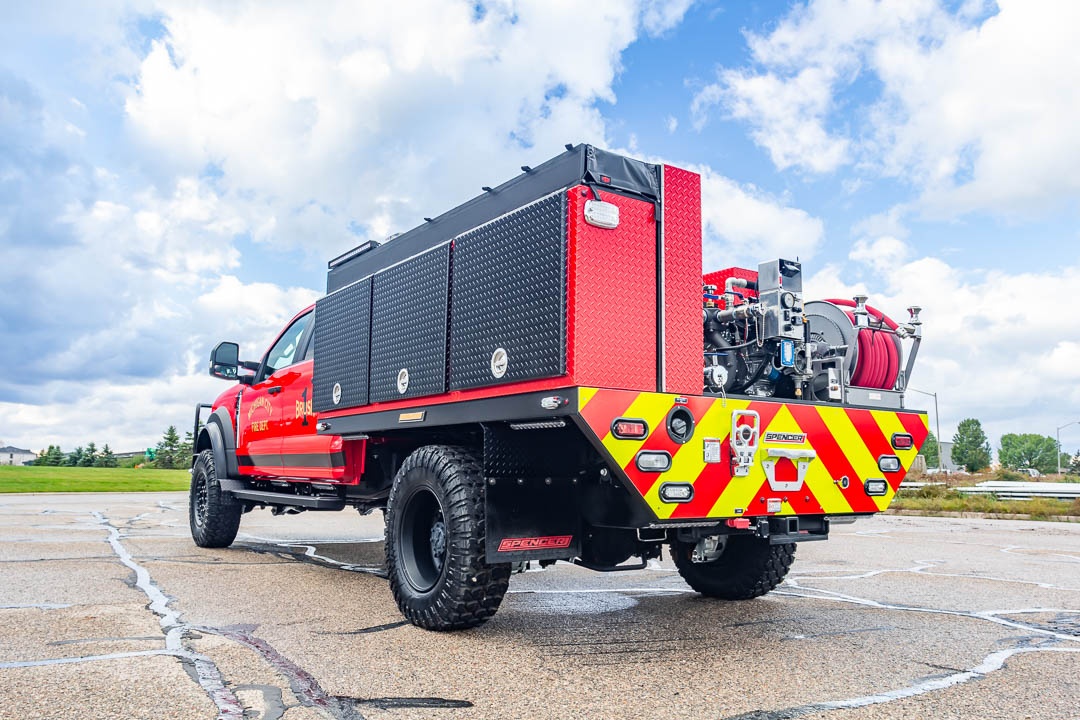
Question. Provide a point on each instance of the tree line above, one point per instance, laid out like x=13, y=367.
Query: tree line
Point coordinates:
x=1018, y=451
x=171, y=452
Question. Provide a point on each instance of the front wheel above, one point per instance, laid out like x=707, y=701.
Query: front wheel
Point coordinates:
x=435, y=552
x=748, y=567
x=213, y=514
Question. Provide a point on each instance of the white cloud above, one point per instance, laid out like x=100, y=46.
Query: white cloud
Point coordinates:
x=267, y=122
x=745, y=225
x=788, y=115
x=974, y=107
x=882, y=254
x=342, y=111
x=989, y=351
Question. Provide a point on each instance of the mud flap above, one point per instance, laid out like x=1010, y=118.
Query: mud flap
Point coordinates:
x=532, y=520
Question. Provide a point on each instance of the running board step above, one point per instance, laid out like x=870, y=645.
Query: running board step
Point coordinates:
x=305, y=501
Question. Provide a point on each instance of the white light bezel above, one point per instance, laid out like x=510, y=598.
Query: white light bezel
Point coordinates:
x=653, y=454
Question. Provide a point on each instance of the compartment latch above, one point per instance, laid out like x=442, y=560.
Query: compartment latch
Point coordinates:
x=745, y=434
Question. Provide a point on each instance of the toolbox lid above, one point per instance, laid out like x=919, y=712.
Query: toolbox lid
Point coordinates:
x=579, y=164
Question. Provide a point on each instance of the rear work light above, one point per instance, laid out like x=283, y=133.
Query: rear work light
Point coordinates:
x=653, y=461
x=676, y=492
x=902, y=441
x=630, y=429
x=888, y=463
x=875, y=487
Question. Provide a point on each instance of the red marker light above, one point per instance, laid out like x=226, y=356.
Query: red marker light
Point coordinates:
x=605, y=179
x=625, y=429
x=902, y=441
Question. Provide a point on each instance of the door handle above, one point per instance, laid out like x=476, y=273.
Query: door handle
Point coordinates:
x=275, y=389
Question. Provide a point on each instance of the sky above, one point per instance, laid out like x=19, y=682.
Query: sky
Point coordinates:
x=173, y=174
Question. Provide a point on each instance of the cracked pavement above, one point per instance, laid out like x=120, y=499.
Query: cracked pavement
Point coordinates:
x=108, y=610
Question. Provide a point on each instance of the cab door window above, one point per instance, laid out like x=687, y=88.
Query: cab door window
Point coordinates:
x=283, y=354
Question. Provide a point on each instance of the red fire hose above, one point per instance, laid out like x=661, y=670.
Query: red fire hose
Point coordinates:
x=879, y=355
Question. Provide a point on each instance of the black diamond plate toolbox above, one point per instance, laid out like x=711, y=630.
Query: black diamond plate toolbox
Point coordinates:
x=408, y=327
x=508, y=317
x=342, y=336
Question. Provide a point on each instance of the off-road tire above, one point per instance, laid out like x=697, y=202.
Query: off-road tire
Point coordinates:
x=213, y=514
x=464, y=591
x=748, y=568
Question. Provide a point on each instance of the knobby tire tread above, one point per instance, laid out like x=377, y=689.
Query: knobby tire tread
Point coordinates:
x=223, y=511
x=470, y=590
x=749, y=567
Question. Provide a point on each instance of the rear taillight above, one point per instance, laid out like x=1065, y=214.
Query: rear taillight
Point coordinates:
x=902, y=441
x=627, y=429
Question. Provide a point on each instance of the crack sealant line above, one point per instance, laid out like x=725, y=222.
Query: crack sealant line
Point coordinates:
x=89, y=658
x=207, y=673
x=39, y=606
x=991, y=663
x=309, y=552
x=923, y=569
x=987, y=616
x=303, y=684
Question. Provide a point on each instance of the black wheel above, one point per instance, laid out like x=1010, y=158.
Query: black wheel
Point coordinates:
x=435, y=542
x=214, y=515
x=748, y=568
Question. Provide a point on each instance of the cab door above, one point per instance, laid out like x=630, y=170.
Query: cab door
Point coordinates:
x=261, y=414
x=304, y=452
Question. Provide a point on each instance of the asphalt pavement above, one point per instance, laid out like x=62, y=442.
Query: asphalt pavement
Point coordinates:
x=108, y=610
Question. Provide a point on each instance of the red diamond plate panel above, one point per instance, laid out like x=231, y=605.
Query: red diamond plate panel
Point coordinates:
x=682, y=281
x=612, y=304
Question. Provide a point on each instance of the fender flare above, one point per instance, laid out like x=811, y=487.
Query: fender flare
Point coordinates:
x=217, y=432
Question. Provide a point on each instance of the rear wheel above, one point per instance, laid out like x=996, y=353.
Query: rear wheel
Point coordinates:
x=435, y=551
x=213, y=514
x=748, y=567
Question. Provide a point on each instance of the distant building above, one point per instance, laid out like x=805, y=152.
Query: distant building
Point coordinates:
x=16, y=456
x=946, y=456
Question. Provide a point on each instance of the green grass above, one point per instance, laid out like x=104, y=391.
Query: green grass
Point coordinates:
x=15, y=479
x=938, y=498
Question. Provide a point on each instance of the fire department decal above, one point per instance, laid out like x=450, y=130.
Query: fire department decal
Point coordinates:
x=261, y=403
x=403, y=381
x=337, y=393
x=785, y=438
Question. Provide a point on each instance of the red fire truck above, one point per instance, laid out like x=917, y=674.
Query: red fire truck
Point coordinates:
x=543, y=373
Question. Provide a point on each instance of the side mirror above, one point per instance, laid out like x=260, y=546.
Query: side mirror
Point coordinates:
x=225, y=361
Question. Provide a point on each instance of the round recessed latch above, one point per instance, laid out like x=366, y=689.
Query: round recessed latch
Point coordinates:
x=403, y=380
x=680, y=425
x=500, y=361
x=337, y=393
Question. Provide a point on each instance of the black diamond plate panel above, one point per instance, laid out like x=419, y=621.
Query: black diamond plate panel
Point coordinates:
x=408, y=326
x=342, y=336
x=509, y=290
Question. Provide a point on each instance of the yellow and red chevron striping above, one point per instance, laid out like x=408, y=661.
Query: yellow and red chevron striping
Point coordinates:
x=846, y=444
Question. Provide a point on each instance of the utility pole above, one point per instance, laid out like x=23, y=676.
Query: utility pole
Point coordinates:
x=937, y=422
x=1058, y=436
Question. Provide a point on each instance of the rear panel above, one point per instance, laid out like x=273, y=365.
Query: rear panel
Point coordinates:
x=613, y=294
x=839, y=448
x=681, y=307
